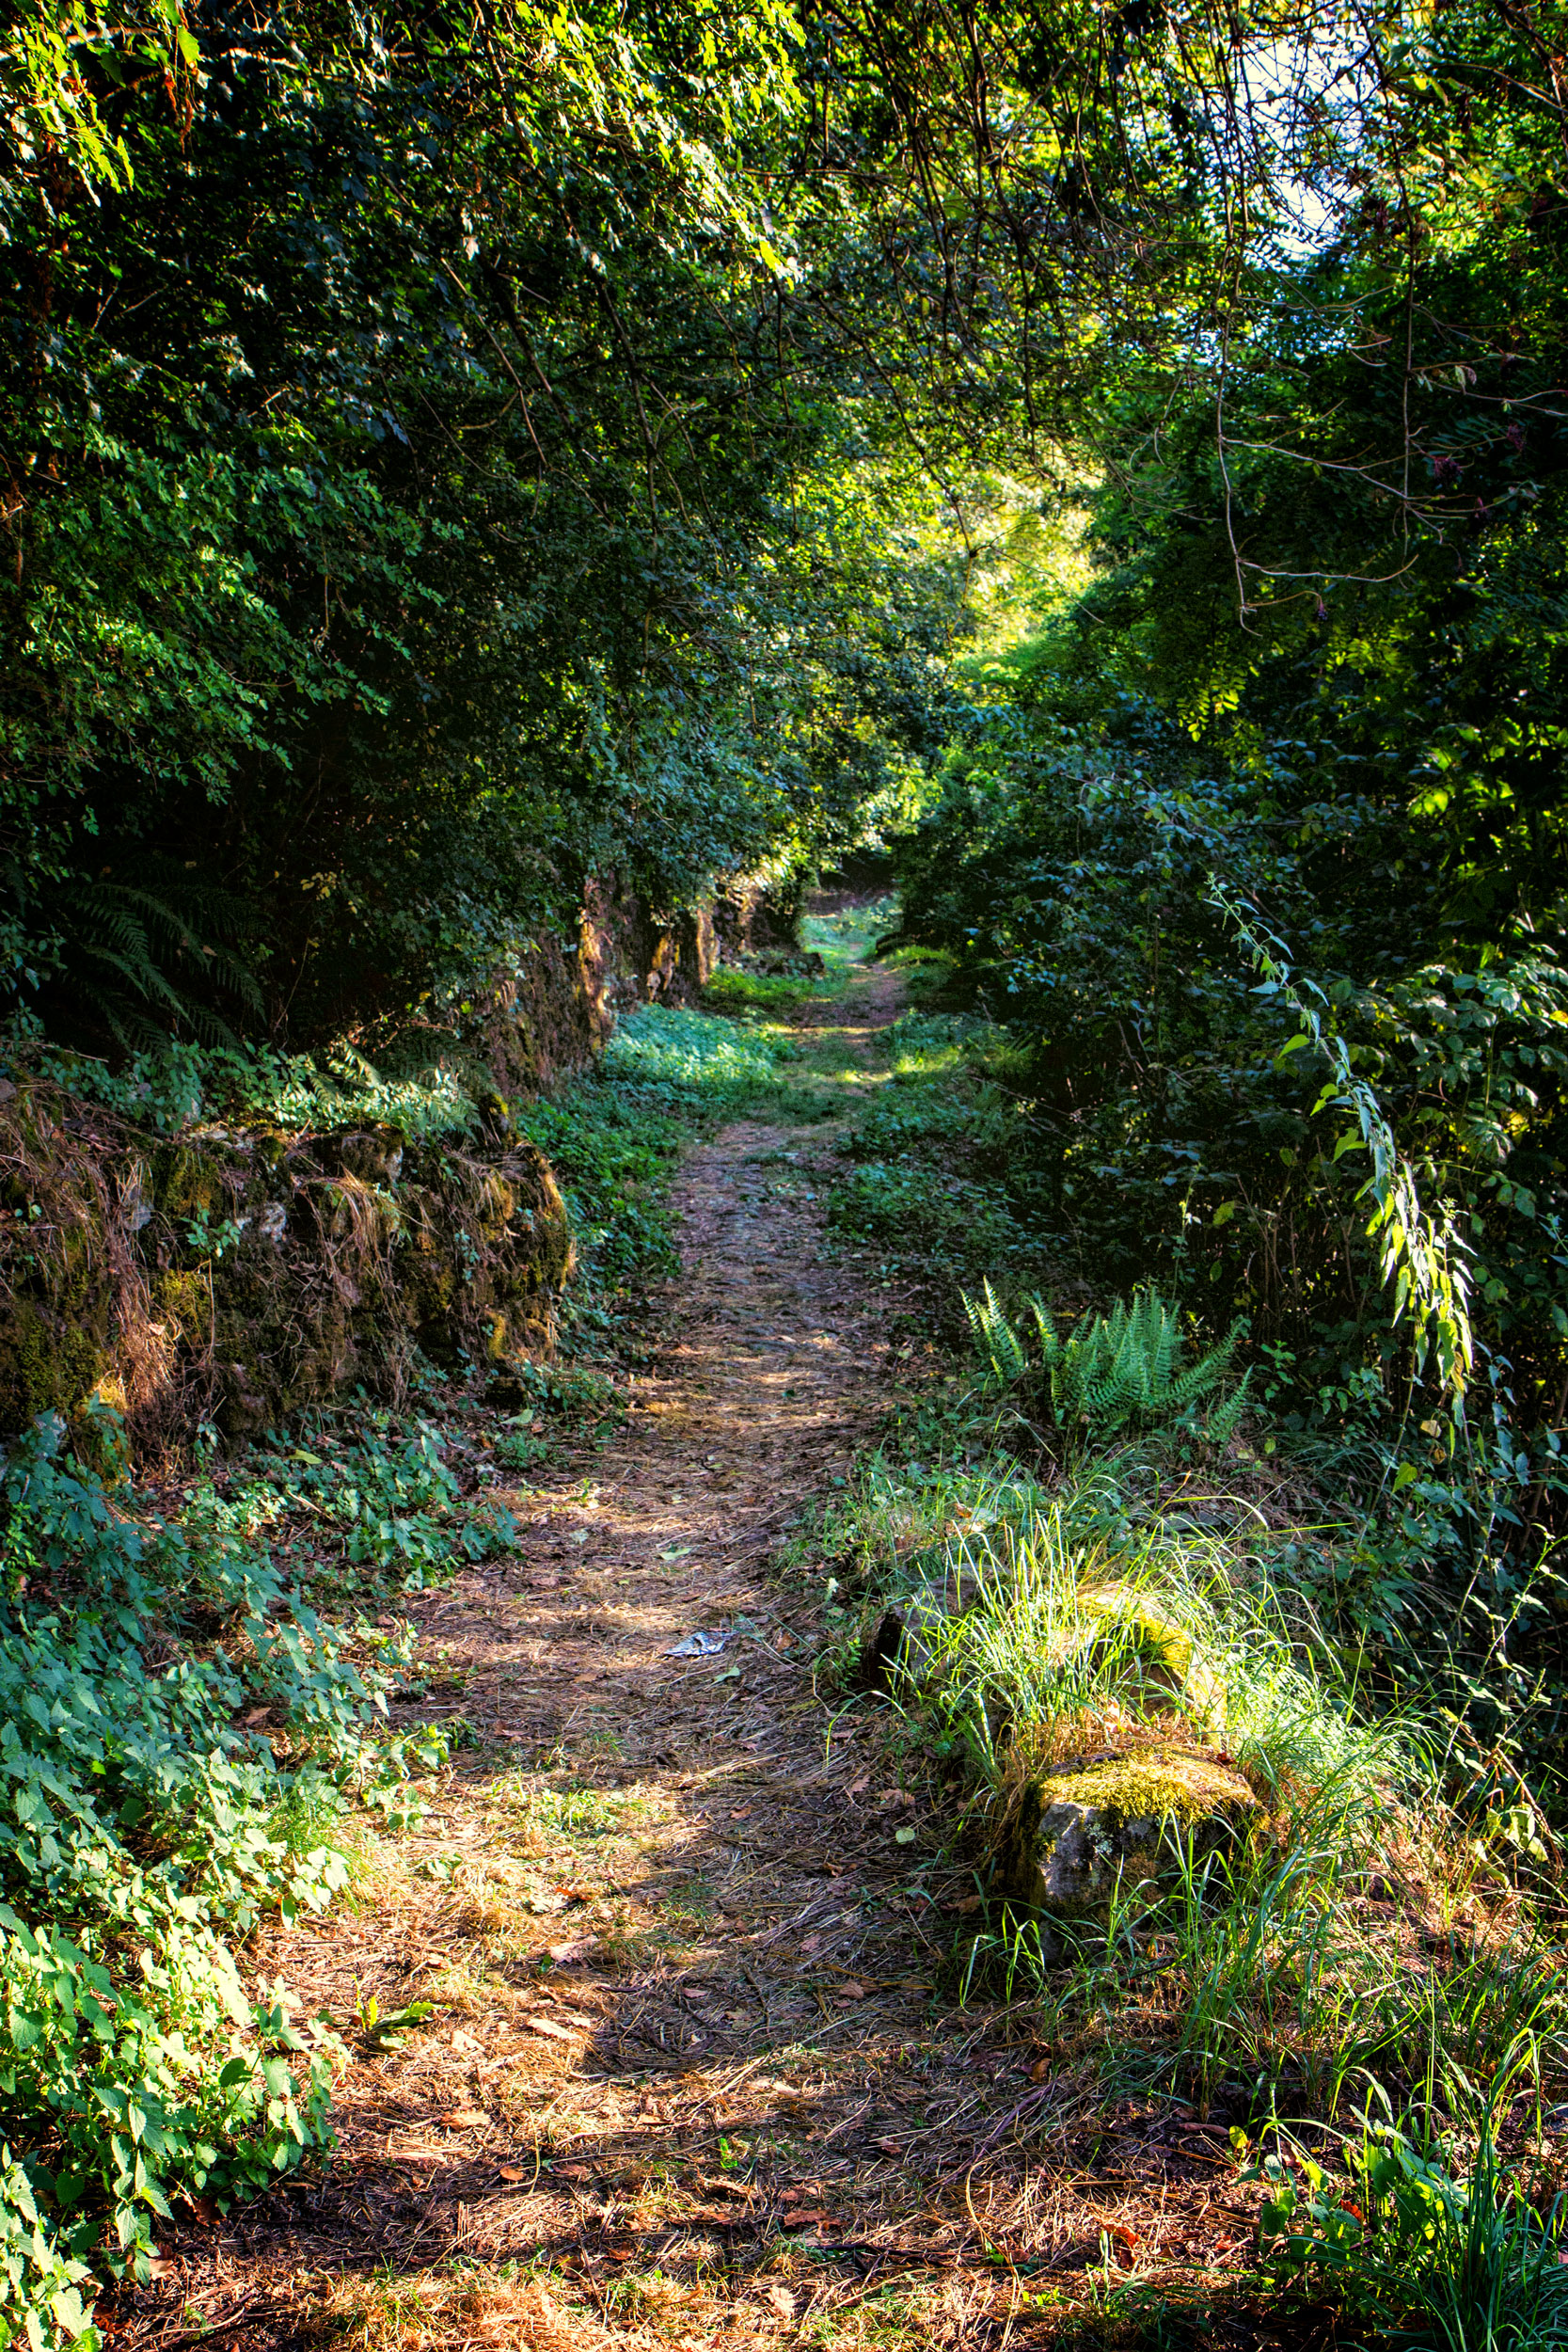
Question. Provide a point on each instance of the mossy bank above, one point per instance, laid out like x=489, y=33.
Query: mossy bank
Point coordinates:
x=233, y=1277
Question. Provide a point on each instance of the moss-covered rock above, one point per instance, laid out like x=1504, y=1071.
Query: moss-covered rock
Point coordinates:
x=1071, y=1834
x=233, y=1277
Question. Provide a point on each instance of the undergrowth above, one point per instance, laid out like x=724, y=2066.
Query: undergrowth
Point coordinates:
x=1050, y=1589
x=926, y=1188
x=1342, y=1945
x=176, y=1709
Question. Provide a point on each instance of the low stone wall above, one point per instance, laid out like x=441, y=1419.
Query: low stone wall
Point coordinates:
x=536, y=1024
x=235, y=1276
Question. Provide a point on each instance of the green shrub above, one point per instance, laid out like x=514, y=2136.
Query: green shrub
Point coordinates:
x=145, y=1823
x=385, y=1504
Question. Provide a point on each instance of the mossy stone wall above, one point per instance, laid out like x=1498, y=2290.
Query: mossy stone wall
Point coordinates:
x=237, y=1274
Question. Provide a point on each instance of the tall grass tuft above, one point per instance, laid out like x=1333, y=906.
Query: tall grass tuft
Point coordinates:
x=1294, y=1967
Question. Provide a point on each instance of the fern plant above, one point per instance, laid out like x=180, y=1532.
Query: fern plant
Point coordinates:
x=1121, y=1372
x=135, y=962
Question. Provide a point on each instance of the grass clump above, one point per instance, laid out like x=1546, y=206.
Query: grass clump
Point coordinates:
x=1342, y=1935
x=1412, y=2244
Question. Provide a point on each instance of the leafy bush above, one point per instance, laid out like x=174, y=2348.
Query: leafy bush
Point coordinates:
x=146, y=1822
x=382, y=1504
x=945, y=1224
x=735, y=990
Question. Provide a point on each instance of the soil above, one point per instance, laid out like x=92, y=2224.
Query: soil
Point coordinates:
x=694, y=2071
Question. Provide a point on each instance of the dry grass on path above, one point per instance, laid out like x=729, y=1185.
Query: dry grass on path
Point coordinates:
x=690, y=2077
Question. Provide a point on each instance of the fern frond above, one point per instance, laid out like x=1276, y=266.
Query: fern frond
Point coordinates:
x=996, y=1340
x=1124, y=1371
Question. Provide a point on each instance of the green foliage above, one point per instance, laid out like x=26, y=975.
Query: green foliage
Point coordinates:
x=179, y=1085
x=384, y=1504
x=735, y=990
x=151, y=1822
x=140, y=1835
x=930, y=1159
x=1401, y=2242
x=466, y=552
x=1362, y=1162
x=689, y=1059
x=1123, y=1372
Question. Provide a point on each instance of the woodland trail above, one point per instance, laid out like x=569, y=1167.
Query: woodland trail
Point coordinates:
x=683, y=2080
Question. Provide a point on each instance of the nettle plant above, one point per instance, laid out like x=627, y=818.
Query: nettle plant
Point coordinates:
x=145, y=1821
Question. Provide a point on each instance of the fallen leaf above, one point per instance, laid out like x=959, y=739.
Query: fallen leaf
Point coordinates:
x=783, y=2301
x=160, y=2266
x=741, y=1813
x=254, y=1715
x=890, y=2147
x=547, y=2026
x=515, y=2172
x=969, y=1902
x=813, y=2220
x=463, y=2120
x=853, y=1990
x=858, y=1787
x=904, y=1837
x=462, y=2040
x=1040, y=2070
x=563, y=1953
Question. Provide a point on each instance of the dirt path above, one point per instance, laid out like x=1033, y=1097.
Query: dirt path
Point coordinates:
x=684, y=2079
x=679, y=1989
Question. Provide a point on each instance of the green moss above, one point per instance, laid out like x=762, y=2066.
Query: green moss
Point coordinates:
x=50, y=1369
x=277, y=1267
x=185, y=1179
x=1138, y=1619
x=1072, y=1835
x=1147, y=1787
